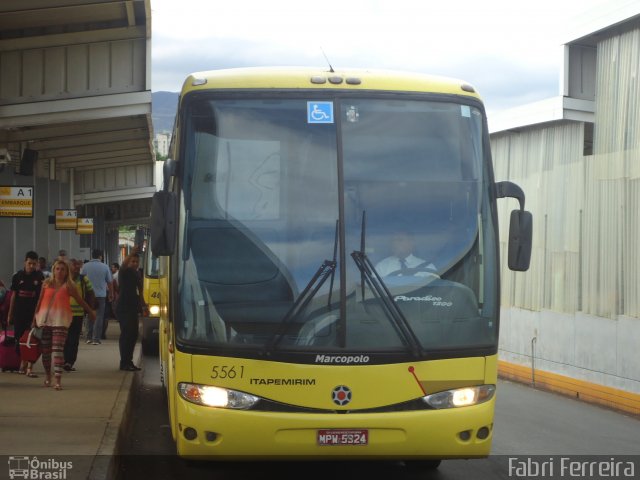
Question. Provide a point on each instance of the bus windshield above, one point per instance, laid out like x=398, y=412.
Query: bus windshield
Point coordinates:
x=348, y=224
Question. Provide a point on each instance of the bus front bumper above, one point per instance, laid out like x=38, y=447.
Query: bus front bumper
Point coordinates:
x=221, y=434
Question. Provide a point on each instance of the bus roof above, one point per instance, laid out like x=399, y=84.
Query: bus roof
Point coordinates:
x=318, y=78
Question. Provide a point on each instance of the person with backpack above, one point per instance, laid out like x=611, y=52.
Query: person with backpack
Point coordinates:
x=75, y=329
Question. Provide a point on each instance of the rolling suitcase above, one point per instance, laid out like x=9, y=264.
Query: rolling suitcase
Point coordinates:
x=9, y=358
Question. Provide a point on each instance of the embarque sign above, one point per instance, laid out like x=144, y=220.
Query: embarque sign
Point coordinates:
x=16, y=201
x=66, y=219
x=85, y=226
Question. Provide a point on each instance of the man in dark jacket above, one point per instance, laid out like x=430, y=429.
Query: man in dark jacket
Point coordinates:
x=26, y=285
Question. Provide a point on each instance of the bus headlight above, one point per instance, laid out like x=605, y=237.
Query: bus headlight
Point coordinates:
x=216, y=396
x=154, y=310
x=461, y=397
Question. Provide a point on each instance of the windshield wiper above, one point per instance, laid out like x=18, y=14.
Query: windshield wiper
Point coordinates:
x=325, y=270
x=383, y=295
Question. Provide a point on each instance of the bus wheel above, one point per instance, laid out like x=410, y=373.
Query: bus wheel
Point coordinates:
x=422, y=465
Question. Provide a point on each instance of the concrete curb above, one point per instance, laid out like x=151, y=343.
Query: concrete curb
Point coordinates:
x=615, y=399
x=106, y=463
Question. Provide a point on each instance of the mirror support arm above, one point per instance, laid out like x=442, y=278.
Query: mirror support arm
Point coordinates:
x=510, y=189
x=520, y=228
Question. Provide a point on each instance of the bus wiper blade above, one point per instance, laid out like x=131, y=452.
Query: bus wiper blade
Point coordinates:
x=389, y=306
x=328, y=268
x=324, y=271
x=335, y=259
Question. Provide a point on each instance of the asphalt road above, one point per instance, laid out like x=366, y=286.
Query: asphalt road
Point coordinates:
x=531, y=428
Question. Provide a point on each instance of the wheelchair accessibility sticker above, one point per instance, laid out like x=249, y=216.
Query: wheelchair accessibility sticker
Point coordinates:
x=319, y=112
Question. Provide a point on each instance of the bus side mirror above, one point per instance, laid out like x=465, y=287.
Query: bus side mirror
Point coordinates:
x=163, y=223
x=520, y=235
x=520, y=228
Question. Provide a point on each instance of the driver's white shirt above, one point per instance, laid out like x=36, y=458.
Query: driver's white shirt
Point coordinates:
x=392, y=264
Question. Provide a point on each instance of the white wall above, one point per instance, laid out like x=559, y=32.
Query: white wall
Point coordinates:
x=595, y=349
x=581, y=296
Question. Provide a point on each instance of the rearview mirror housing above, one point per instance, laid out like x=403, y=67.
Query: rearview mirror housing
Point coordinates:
x=520, y=239
x=163, y=223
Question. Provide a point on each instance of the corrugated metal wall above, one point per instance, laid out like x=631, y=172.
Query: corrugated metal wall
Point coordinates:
x=612, y=230
x=72, y=71
x=547, y=164
x=586, y=208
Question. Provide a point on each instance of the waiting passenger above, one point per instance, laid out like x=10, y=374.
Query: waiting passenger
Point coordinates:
x=75, y=328
x=130, y=304
x=42, y=266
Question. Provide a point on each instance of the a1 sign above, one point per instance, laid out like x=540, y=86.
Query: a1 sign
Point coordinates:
x=66, y=219
x=85, y=226
x=16, y=201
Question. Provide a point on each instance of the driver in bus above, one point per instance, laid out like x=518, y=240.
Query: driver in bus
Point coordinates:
x=402, y=262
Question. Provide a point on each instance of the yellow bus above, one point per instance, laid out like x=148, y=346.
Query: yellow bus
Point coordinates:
x=151, y=295
x=330, y=267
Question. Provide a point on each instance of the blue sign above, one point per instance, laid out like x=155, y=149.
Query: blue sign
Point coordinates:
x=319, y=112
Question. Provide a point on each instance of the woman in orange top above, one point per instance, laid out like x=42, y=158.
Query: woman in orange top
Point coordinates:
x=53, y=313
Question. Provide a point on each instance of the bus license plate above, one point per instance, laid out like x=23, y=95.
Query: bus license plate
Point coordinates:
x=342, y=437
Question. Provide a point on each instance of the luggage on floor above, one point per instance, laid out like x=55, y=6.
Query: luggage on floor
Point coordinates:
x=9, y=358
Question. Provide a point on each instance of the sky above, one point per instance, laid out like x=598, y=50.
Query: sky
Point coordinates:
x=509, y=50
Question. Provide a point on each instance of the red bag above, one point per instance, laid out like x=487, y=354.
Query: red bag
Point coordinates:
x=9, y=358
x=29, y=347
